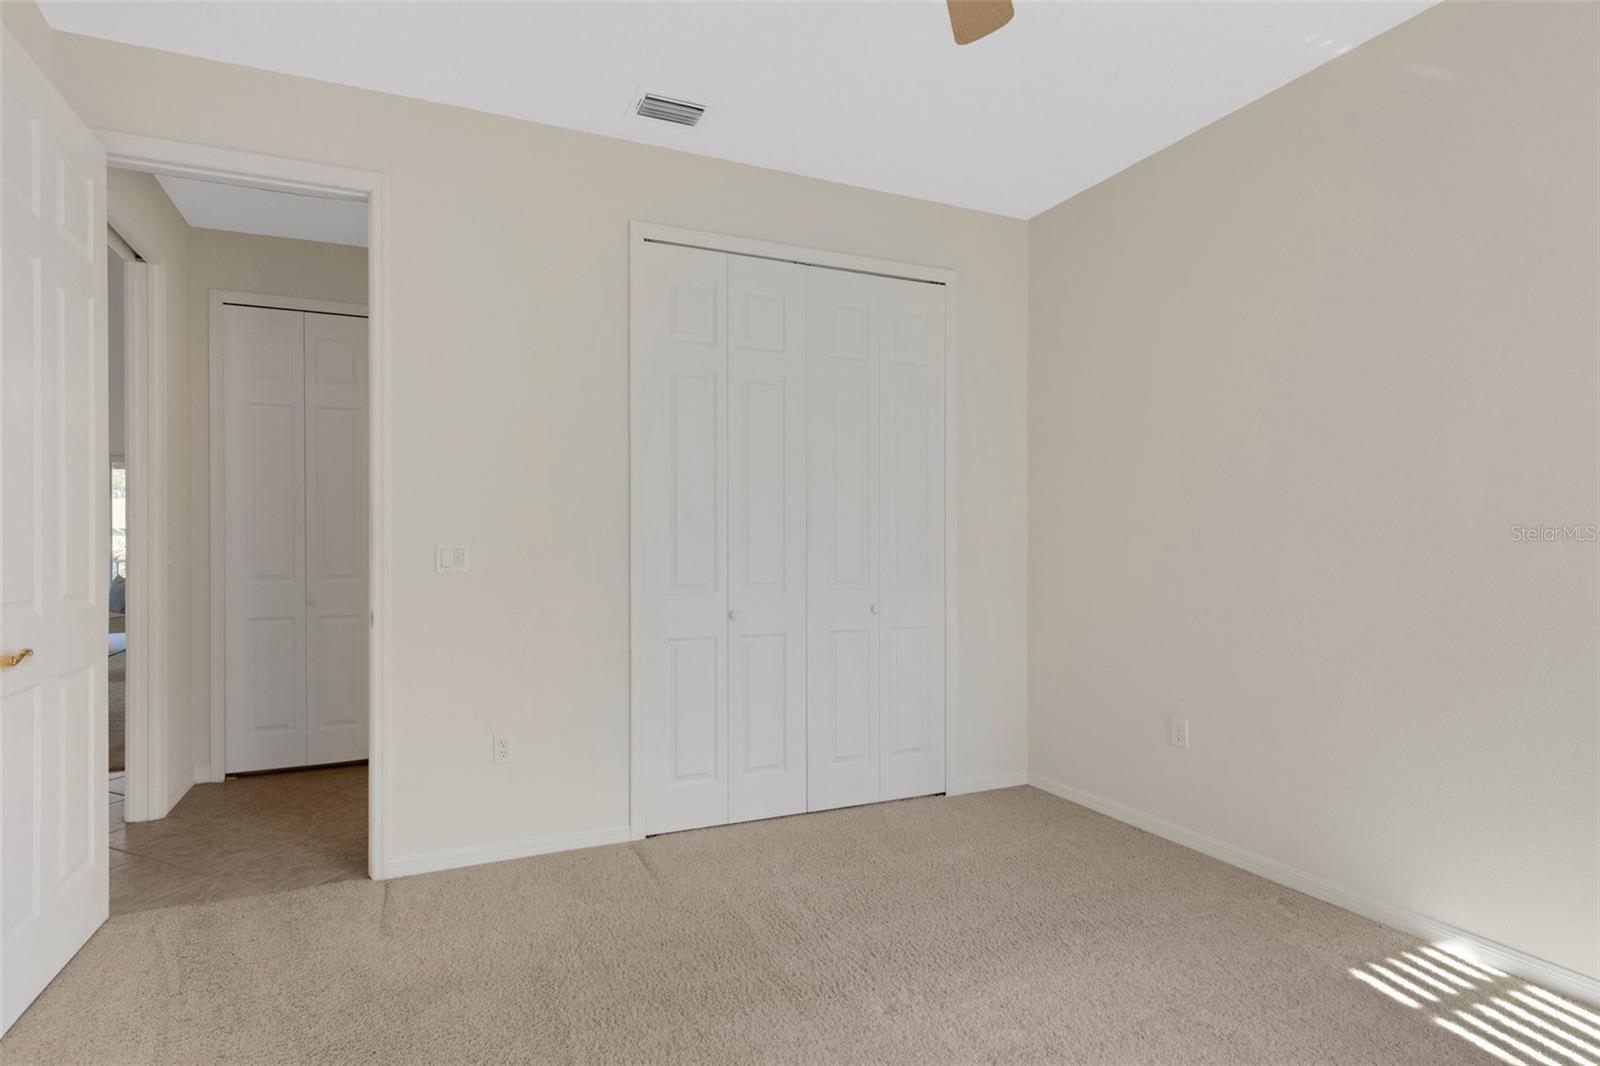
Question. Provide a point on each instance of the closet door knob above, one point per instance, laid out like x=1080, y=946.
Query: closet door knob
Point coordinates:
x=8, y=661
x=311, y=599
x=733, y=616
x=873, y=608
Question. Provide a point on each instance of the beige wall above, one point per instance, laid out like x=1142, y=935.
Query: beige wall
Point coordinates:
x=268, y=266
x=1292, y=382
x=508, y=418
x=140, y=211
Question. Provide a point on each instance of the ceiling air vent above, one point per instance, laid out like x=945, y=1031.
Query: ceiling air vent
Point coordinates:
x=669, y=110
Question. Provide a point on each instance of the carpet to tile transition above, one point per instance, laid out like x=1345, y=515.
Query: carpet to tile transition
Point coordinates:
x=1006, y=926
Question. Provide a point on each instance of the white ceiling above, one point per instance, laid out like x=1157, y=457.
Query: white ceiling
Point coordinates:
x=213, y=205
x=874, y=94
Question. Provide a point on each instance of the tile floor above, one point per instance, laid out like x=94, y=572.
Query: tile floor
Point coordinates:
x=119, y=789
x=245, y=837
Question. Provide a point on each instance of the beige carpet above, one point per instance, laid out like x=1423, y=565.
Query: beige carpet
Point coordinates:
x=1001, y=927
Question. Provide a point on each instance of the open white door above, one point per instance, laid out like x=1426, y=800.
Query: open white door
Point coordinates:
x=54, y=534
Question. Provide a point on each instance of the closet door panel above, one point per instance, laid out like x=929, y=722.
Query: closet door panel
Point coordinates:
x=767, y=531
x=842, y=532
x=264, y=457
x=336, y=538
x=911, y=509
x=680, y=398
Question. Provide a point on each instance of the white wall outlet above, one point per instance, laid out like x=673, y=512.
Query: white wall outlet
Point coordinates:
x=1178, y=732
x=449, y=558
x=502, y=748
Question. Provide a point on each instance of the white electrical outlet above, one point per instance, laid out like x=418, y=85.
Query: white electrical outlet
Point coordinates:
x=450, y=558
x=1178, y=732
x=502, y=748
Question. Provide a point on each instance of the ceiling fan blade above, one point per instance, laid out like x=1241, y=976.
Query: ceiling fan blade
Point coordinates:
x=972, y=19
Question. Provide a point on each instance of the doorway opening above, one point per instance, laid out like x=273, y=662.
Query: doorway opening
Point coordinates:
x=276, y=730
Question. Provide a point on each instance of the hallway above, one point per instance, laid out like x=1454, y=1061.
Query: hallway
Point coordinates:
x=245, y=837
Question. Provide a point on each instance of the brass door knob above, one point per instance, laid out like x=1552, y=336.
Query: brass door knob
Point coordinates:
x=8, y=661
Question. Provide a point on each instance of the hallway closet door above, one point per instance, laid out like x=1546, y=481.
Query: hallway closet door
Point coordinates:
x=265, y=471
x=336, y=538
x=911, y=508
x=295, y=543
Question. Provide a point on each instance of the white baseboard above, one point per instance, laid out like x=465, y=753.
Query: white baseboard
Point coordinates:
x=177, y=788
x=985, y=784
x=454, y=858
x=1470, y=947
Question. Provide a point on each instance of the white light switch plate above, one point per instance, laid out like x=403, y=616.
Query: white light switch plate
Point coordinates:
x=450, y=558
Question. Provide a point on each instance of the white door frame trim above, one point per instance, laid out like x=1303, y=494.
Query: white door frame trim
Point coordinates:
x=217, y=462
x=146, y=704
x=156, y=156
x=640, y=233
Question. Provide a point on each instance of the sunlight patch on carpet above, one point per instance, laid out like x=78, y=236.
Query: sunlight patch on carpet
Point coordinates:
x=1514, y=1022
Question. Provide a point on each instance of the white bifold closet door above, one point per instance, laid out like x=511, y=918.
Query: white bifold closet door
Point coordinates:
x=911, y=538
x=336, y=538
x=788, y=492
x=766, y=538
x=720, y=506
x=844, y=608
x=295, y=443
x=876, y=538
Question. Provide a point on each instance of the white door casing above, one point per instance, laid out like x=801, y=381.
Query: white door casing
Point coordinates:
x=336, y=538
x=680, y=357
x=265, y=625
x=911, y=542
x=767, y=538
x=843, y=678
x=54, y=533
